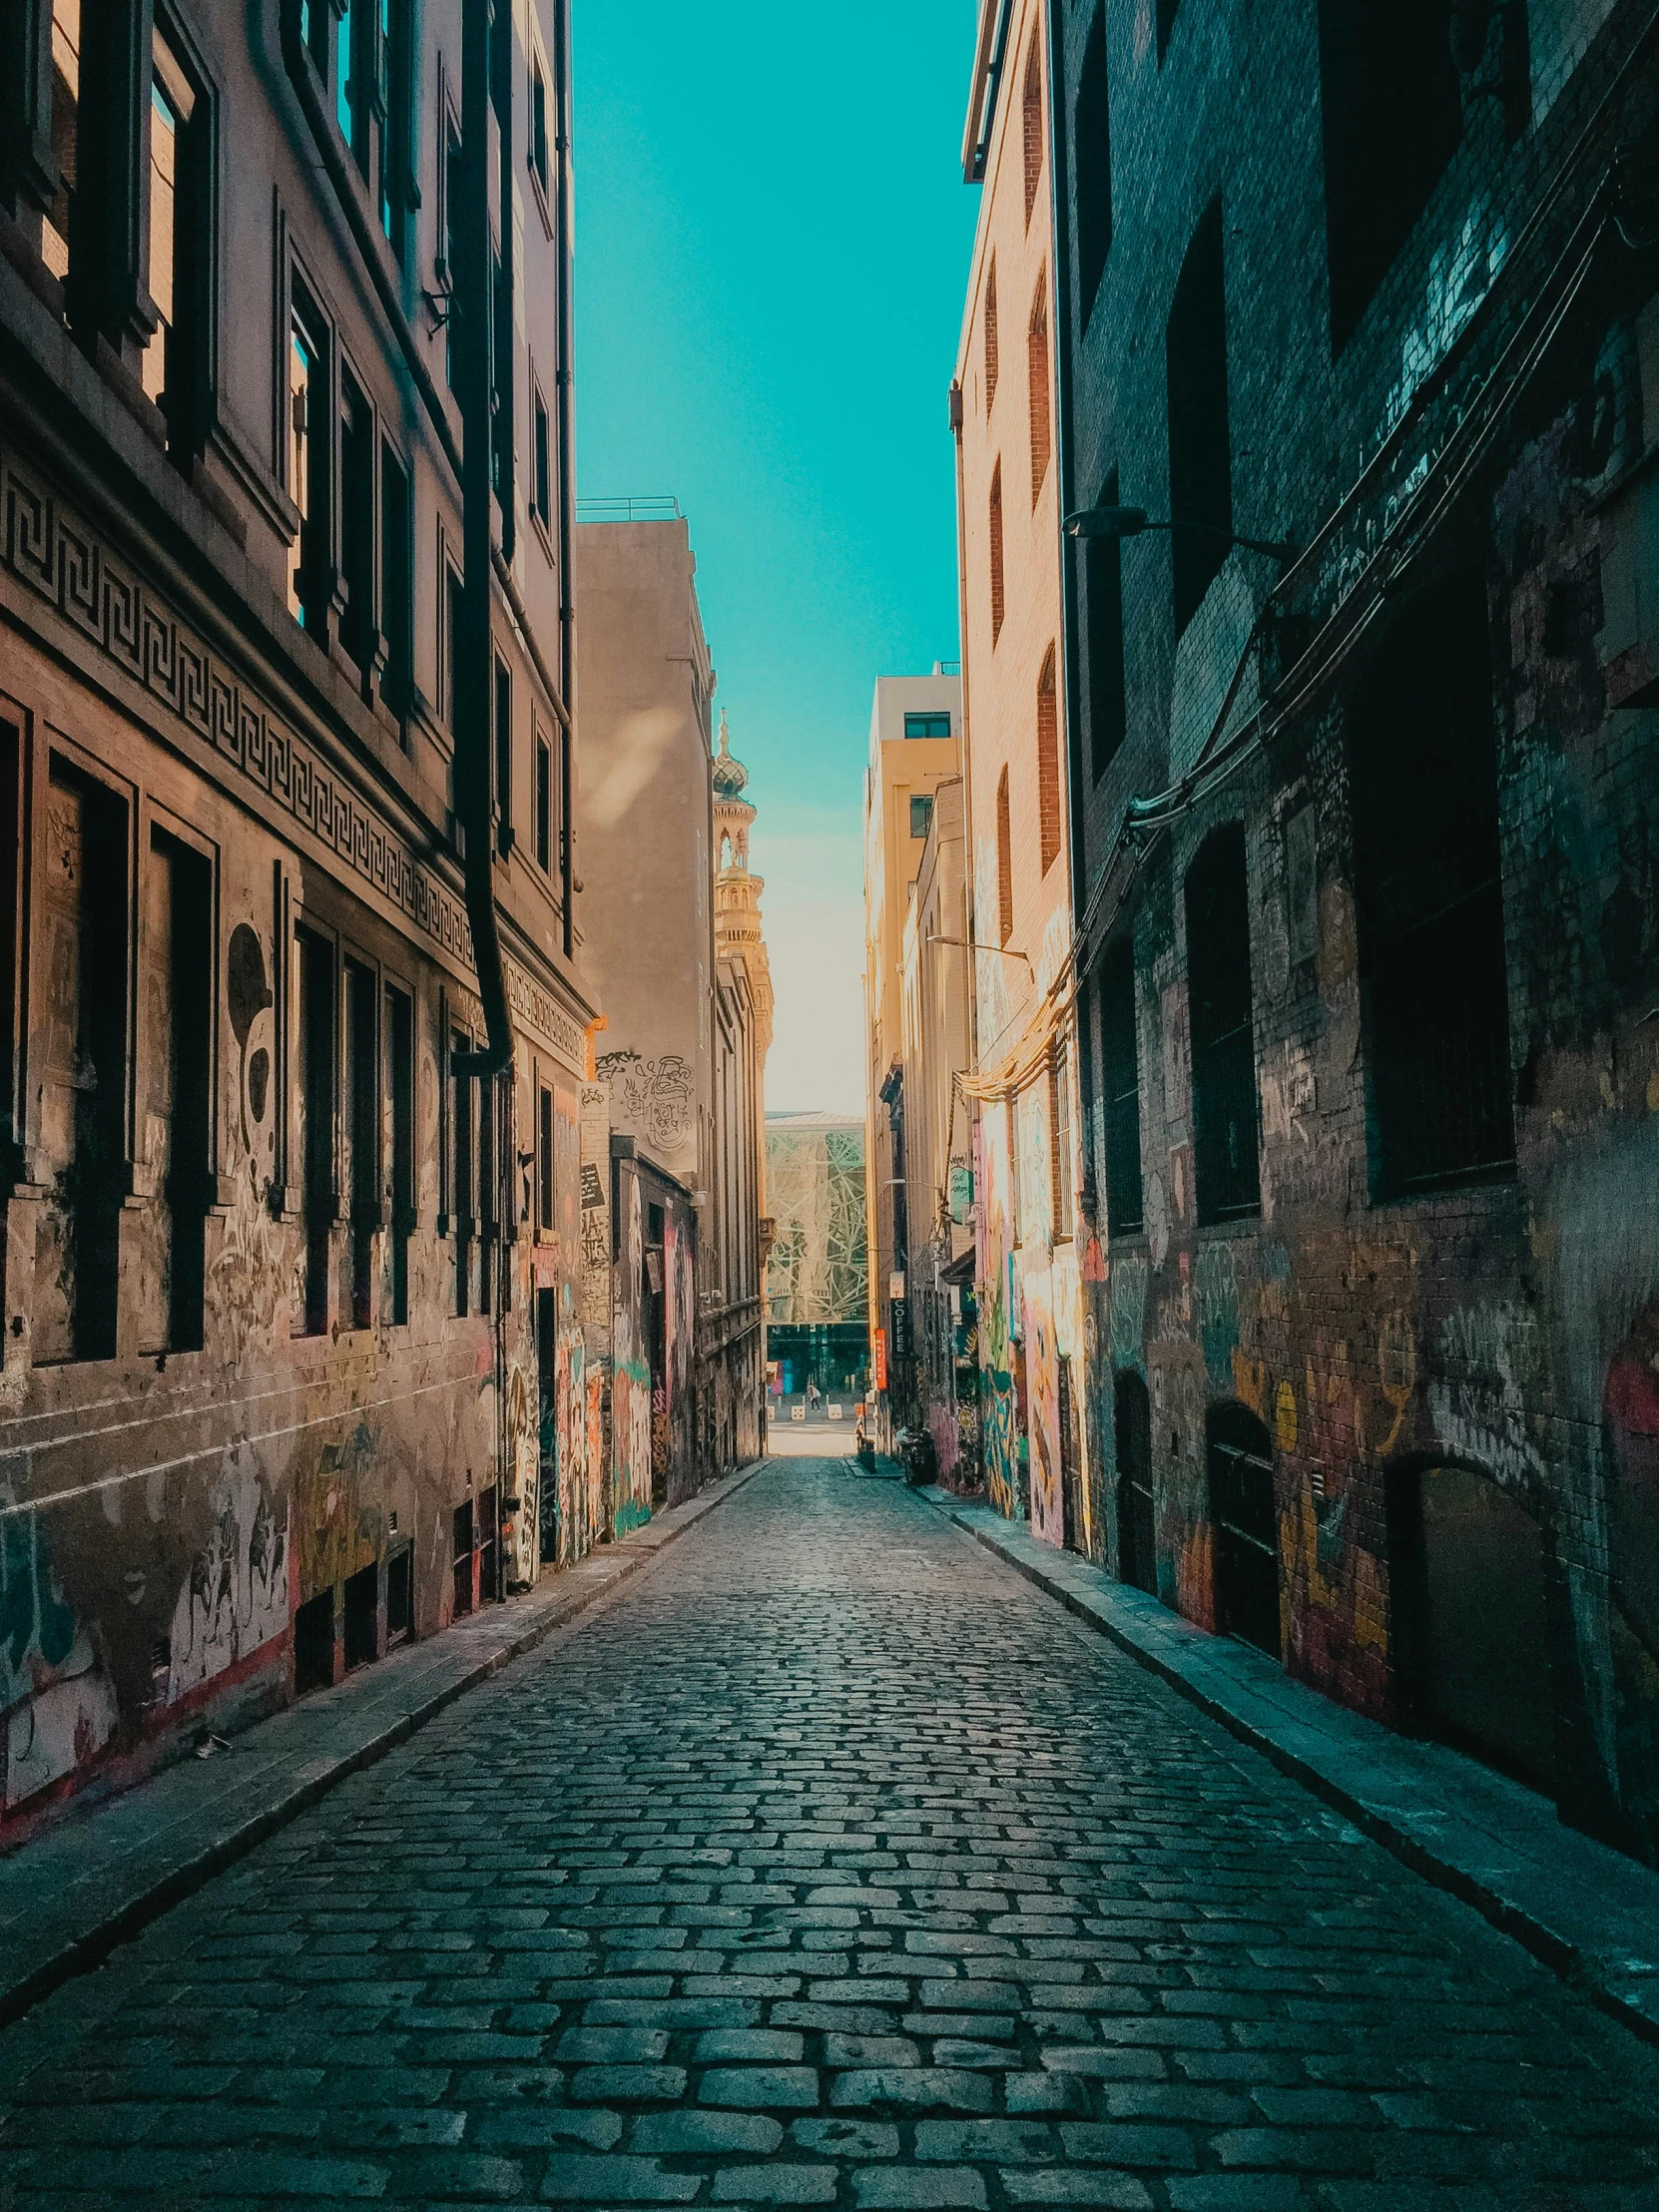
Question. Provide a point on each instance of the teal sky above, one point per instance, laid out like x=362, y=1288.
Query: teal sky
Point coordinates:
x=772, y=247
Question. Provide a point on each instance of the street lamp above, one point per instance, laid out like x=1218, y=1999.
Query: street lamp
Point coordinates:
x=1129, y=523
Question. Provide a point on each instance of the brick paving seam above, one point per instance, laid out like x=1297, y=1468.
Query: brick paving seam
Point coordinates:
x=554, y=1605
x=1616, y=1965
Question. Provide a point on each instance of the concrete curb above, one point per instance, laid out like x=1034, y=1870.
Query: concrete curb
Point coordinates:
x=104, y=1873
x=1589, y=1913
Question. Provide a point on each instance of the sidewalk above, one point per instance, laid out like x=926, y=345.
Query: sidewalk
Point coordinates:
x=1588, y=1911
x=92, y=1881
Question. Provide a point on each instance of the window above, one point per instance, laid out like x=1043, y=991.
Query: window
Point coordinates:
x=544, y=806
x=503, y=759
x=396, y=583
x=455, y=609
x=932, y=724
x=996, y=526
x=398, y=129
x=1004, y=864
x=315, y=1098
x=1091, y=141
x=1394, y=117
x=361, y=1134
x=455, y=198
x=921, y=815
x=167, y=365
x=1225, y=1141
x=1199, y=448
x=1103, y=616
x=1049, y=764
x=82, y=1055
x=537, y=118
x=502, y=373
x=308, y=462
x=59, y=230
x=1036, y=371
x=176, y=1106
x=464, y=1165
x=316, y=16
x=1031, y=115
x=1429, y=902
x=397, y=1152
x=544, y=1162
x=488, y=1226
x=541, y=487
x=990, y=334
x=1061, y=1166
x=1120, y=1090
x=351, y=102
x=357, y=632
x=1166, y=24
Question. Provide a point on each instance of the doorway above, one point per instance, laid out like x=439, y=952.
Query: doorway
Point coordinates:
x=1469, y=1585
x=1137, y=1525
x=1245, y=1522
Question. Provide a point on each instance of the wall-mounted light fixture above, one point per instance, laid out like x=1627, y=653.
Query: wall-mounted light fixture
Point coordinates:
x=1129, y=523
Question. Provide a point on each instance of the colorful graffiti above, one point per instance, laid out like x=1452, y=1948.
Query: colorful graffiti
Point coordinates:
x=59, y=1705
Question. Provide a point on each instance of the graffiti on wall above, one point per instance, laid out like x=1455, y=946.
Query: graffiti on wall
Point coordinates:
x=235, y=1599
x=656, y=1098
x=58, y=1701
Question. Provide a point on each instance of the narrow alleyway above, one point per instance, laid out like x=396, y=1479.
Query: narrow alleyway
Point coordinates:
x=830, y=1864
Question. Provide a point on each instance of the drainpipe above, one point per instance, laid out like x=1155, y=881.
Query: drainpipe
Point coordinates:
x=473, y=691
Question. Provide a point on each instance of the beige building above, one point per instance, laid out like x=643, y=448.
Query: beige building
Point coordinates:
x=1030, y=1308
x=915, y=745
x=938, y=1142
x=687, y=1000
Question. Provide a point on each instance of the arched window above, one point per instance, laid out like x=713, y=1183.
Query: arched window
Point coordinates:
x=990, y=334
x=1226, y=1158
x=1033, y=120
x=1049, y=764
x=1091, y=153
x=1036, y=371
x=1137, y=1526
x=725, y=853
x=1429, y=898
x=1200, y=435
x=1238, y=1453
x=1004, y=864
x=995, y=530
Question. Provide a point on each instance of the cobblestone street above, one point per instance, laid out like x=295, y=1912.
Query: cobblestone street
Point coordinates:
x=828, y=1864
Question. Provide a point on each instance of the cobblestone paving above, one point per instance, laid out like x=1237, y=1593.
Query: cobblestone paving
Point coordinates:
x=830, y=1865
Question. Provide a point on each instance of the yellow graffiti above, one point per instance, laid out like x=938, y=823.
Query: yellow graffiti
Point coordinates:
x=1284, y=1419
x=1249, y=1382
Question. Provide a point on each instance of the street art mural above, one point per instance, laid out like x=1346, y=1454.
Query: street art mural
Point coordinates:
x=236, y=1597
x=58, y=1701
x=654, y=1100
x=1002, y=1319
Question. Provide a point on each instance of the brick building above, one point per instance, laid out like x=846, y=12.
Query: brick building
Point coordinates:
x=294, y=1030
x=1367, y=909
